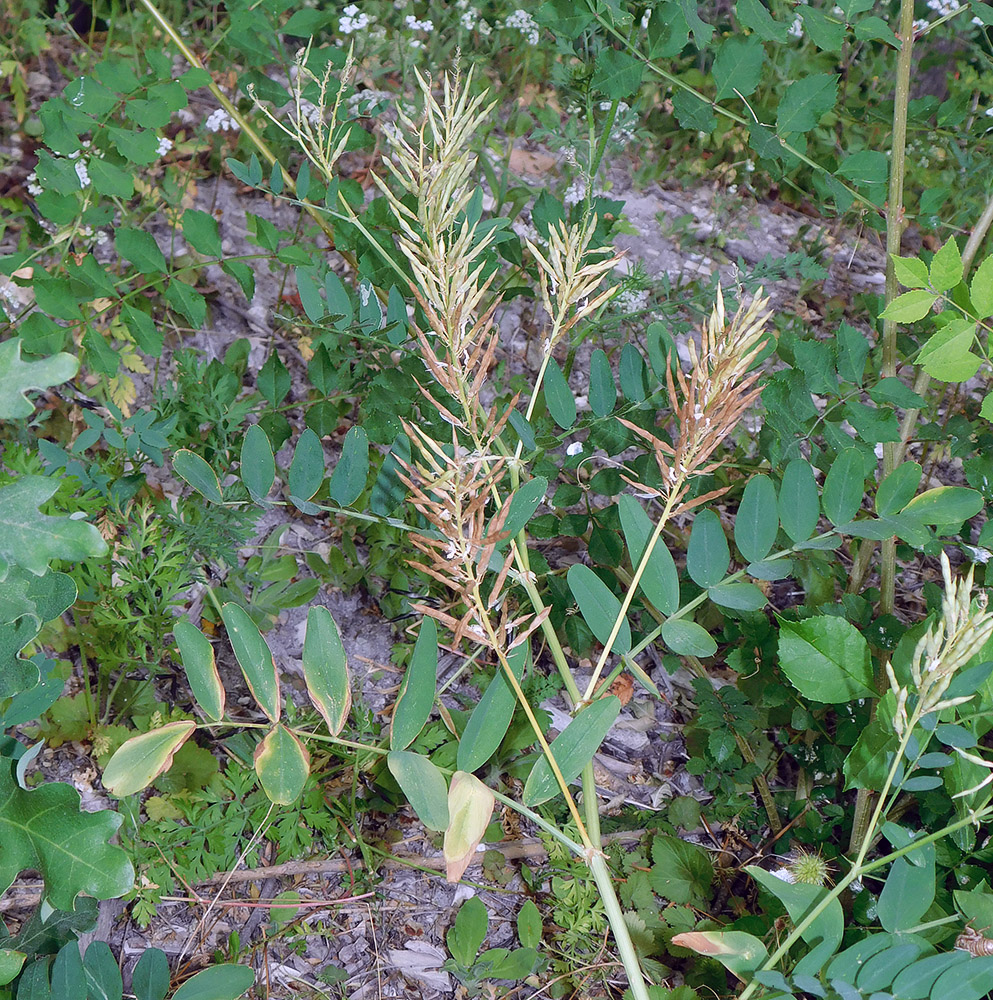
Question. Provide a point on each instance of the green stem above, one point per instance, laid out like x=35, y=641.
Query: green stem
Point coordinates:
x=622, y=936
x=894, y=230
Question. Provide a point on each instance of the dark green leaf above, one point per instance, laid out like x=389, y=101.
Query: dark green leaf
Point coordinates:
x=424, y=785
x=254, y=657
x=757, y=521
x=687, y=638
x=799, y=509
x=416, y=697
x=755, y=15
x=150, y=979
x=103, y=977
x=898, y=489
x=523, y=503
x=660, y=578
x=844, y=486
x=273, y=380
x=826, y=659
x=738, y=66
x=307, y=468
x=908, y=891
x=681, y=872
x=200, y=231
x=603, y=392
x=598, y=606
x=194, y=470
x=558, y=396
x=219, y=982
x=348, y=479
x=737, y=596
x=573, y=749
x=616, y=74
x=490, y=719
x=805, y=102
x=258, y=466
x=141, y=249
x=707, y=555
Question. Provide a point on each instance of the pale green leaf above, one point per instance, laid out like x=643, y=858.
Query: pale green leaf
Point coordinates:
x=910, y=307
x=18, y=377
x=470, y=805
x=283, y=765
x=139, y=761
x=325, y=669
x=946, y=267
x=201, y=670
x=31, y=539
x=981, y=289
x=911, y=272
x=254, y=657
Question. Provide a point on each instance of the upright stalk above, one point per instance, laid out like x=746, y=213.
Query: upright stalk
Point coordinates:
x=892, y=450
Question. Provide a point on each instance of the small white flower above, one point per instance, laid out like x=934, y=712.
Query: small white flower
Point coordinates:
x=351, y=20
x=576, y=448
x=82, y=173
x=220, y=121
x=796, y=28
x=920, y=24
x=944, y=7
x=631, y=300
x=34, y=188
x=413, y=24
x=525, y=24
x=164, y=146
x=978, y=22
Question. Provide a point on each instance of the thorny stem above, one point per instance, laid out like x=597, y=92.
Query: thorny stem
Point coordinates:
x=894, y=232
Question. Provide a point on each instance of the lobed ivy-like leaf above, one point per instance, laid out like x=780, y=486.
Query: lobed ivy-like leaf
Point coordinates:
x=45, y=830
x=31, y=539
x=18, y=377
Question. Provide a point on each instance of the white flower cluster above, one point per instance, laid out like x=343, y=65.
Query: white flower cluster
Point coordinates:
x=920, y=24
x=471, y=21
x=525, y=24
x=353, y=20
x=631, y=300
x=413, y=24
x=164, y=146
x=220, y=121
x=943, y=7
x=796, y=28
